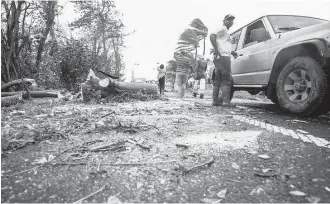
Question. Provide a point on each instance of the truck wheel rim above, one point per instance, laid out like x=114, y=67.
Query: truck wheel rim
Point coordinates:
x=297, y=86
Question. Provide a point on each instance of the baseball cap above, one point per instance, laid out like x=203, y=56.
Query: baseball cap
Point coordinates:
x=229, y=17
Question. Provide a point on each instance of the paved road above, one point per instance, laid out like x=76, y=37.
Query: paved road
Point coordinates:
x=257, y=154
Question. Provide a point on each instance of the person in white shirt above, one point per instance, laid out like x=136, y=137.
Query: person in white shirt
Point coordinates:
x=221, y=43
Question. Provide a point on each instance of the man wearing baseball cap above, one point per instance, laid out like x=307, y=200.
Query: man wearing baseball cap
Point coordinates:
x=221, y=43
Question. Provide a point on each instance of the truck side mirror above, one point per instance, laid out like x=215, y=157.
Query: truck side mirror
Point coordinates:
x=259, y=35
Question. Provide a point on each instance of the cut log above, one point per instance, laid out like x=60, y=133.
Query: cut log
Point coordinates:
x=18, y=82
x=144, y=88
x=11, y=100
x=33, y=94
x=95, y=88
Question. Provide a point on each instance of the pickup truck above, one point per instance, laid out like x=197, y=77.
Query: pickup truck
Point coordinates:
x=287, y=57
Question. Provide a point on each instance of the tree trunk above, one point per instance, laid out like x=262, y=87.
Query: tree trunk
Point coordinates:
x=117, y=56
x=204, y=48
x=92, y=89
x=11, y=100
x=33, y=94
x=54, y=46
x=17, y=82
x=49, y=9
x=10, y=40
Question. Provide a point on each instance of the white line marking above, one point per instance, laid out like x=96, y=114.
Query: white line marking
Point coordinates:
x=288, y=132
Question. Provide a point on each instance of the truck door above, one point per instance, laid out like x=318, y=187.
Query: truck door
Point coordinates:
x=253, y=56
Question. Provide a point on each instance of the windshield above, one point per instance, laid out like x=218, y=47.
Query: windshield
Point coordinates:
x=287, y=23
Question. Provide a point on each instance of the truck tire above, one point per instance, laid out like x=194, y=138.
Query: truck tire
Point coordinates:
x=301, y=86
x=325, y=105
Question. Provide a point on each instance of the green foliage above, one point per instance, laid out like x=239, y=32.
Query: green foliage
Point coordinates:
x=103, y=30
x=61, y=61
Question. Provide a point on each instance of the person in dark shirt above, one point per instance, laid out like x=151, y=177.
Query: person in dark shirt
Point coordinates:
x=161, y=78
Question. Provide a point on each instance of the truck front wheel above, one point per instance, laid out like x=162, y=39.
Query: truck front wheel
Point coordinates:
x=301, y=86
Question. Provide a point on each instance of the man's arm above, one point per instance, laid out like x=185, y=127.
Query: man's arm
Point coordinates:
x=213, y=39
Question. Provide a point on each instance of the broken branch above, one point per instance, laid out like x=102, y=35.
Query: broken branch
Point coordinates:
x=138, y=144
x=265, y=175
x=17, y=82
x=113, y=164
x=80, y=200
x=182, y=145
x=11, y=100
x=24, y=171
x=207, y=164
x=33, y=94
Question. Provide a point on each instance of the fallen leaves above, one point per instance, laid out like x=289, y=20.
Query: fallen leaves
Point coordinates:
x=256, y=191
x=45, y=159
x=318, y=179
x=297, y=121
x=253, y=152
x=266, y=170
x=313, y=199
x=235, y=165
x=263, y=156
x=222, y=193
x=139, y=185
x=297, y=193
x=113, y=200
x=211, y=200
x=326, y=188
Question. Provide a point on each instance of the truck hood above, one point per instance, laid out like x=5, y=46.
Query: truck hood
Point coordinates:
x=311, y=32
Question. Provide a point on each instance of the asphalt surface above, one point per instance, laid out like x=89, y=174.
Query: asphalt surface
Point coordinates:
x=251, y=161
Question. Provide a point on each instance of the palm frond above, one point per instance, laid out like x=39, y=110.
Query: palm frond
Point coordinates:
x=198, y=24
x=188, y=49
x=181, y=42
x=189, y=36
x=199, y=27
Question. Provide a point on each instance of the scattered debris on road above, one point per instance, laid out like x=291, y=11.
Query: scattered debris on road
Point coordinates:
x=263, y=156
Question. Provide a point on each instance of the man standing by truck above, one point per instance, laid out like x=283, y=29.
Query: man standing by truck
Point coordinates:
x=221, y=43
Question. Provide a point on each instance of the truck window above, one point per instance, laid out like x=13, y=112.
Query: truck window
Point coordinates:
x=235, y=39
x=248, y=39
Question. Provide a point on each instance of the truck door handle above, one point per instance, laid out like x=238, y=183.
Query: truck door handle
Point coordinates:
x=240, y=55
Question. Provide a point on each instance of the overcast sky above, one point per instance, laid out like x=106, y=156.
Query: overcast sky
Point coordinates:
x=158, y=23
